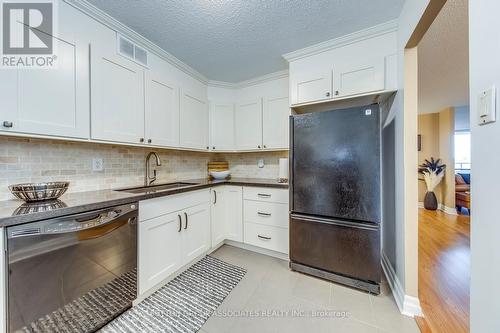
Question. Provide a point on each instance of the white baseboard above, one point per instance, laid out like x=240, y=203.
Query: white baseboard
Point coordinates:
x=408, y=305
x=443, y=208
x=257, y=249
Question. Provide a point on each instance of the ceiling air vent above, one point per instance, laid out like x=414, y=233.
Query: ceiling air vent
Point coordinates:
x=131, y=51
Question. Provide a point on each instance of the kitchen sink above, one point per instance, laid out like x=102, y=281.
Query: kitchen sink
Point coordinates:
x=156, y=188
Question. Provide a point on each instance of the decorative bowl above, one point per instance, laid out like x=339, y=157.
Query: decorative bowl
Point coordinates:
x=31, y=192
x=219, y=174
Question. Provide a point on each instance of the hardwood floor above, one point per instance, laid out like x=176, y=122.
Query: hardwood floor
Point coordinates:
x=444, y=270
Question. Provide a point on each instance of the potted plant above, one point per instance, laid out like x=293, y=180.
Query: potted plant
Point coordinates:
x=433, y=173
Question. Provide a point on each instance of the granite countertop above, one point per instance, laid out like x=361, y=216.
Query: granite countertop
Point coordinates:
x=13, y=212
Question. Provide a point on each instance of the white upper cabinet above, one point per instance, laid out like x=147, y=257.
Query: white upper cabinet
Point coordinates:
x=221, y=126
x=359, y=78
x=162, y=111
x=193, y=121
x=311, y=87
x=117, y=97
x=52, y=101
x=248, y=125
x=275, y=122
x=360, y=64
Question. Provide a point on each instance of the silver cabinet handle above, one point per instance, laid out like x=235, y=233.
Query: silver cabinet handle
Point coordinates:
x=263, y=195
x=180, y=222
x=215, y=197
x=263, y=214
x=264, y=237
x=8, y=124
x=186, y=216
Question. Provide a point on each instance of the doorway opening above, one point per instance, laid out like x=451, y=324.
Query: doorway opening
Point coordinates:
x=444, y=172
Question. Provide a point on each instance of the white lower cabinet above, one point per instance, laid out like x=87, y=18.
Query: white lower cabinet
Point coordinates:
x=271, y=238
x=195, y=232
x=226, y=214
x=177, y=229
x=159, y=249
x=172, y=232
x=265, y=214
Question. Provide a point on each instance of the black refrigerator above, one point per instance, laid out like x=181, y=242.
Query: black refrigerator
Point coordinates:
x=335, y=196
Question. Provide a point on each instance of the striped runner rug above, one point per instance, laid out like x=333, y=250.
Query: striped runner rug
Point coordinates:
x=185, y=303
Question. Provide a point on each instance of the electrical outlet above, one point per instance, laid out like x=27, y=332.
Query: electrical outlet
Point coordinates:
x=97, y=164
x=260, y=163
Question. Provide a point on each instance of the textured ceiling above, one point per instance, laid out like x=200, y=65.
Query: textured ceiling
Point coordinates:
x=235, y=40
x=443, y=60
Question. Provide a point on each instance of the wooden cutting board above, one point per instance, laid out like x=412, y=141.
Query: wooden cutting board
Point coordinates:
x=217, y=166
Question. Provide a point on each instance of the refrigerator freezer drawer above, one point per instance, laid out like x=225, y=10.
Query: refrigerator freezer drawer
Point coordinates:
x=346, y=250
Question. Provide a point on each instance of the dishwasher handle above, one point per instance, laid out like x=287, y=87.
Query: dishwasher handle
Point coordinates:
x=74, y=223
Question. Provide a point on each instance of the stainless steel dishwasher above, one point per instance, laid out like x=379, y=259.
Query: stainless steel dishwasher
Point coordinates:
x=73, y=273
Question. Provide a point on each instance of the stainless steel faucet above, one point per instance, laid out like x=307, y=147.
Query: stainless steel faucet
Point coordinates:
x=148, y=180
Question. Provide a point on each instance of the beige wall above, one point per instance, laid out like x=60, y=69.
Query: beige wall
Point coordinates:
x=428, y=128
x=35, y=160
x=447, y=152
x=437, y=131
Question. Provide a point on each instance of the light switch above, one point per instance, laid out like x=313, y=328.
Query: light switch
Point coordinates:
x=486, y=106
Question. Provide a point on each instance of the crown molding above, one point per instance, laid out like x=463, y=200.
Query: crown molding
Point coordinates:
x=222, y=84
x=112, y=23
x=264, y=78
x=247, y=83
x=377, y=30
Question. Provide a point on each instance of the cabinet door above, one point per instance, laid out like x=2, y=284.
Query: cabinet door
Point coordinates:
x=159, y=249
x=117, y=93
x=162, y=111
x=248, y=125
x=51, y=101
x=221, y=126
x=194, y=120
x=195, y=231
x=275, y=122
x=218, y=220
x=233, y=200
x=311, y=87
x=359, y=77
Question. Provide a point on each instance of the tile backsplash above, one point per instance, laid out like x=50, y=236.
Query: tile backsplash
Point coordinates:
x=35, y=160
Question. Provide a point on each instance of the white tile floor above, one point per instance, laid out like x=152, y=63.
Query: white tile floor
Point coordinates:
x=269, y=286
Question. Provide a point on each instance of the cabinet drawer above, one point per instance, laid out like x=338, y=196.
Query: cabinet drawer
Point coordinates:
x=151, y=208
x=269, y=213
x=272, y=238
x=266, y=194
